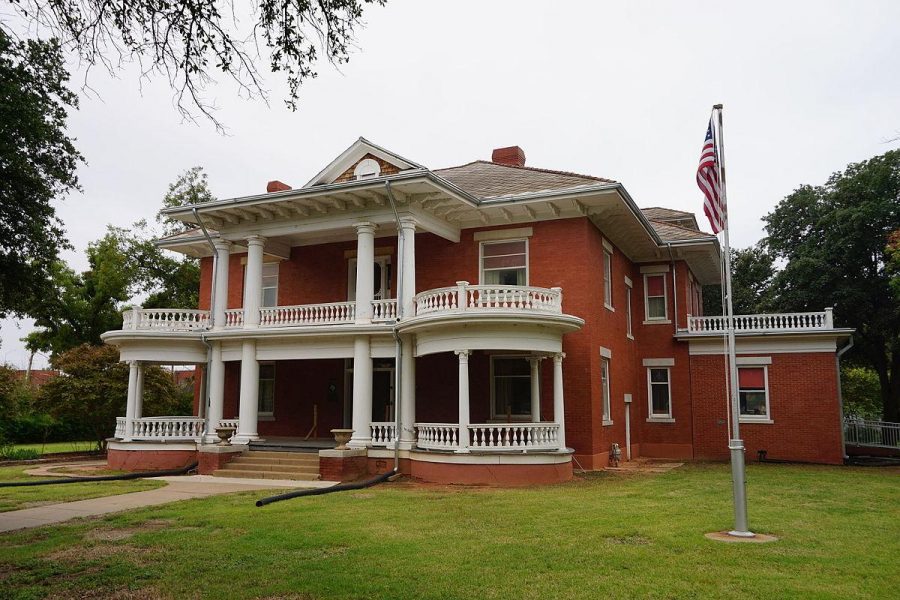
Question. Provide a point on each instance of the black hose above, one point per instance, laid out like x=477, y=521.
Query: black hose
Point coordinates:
x=126, y=476
x=342, y=487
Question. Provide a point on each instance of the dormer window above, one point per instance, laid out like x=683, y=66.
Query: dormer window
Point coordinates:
x=367, y=169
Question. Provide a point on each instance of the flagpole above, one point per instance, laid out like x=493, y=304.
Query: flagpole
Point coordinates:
x=735, y=443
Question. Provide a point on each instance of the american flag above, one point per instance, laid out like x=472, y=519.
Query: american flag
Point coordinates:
x=708, y=180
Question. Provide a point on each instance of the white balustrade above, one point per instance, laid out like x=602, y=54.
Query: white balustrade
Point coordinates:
x=438, y=436
x=514, y=436
x=120, y=428
x=308, y=314
x=383, y=434
x=808, y=321
x=465, y=297
x=162, y=428
x=230, y=423
x=234, y=317
x=165, y=319
x=384, y=310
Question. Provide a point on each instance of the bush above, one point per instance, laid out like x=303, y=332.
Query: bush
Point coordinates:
x=861, y=391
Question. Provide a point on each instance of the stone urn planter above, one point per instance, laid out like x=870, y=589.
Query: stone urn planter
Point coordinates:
x=342, y=436
x=224, y=434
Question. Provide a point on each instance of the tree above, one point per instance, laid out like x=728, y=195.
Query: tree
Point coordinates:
x=188, y=41
x=752, y=271
x=93, y=390
x=834, y=241
x=191, y=187
x=861, y=392
x=37, y=164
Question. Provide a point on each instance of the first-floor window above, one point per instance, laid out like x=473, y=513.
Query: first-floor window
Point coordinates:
x=754, y=396
x=511, y=387
x=659, y=392
x=604, y=382
x=266, y=404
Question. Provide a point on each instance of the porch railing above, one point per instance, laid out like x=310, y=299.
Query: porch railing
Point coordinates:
x=438, y=436
x=230, y=423
x=165, y=319
x=234, y=317
x=384, y=310
x=383, y=434
x=160, y=428
x=330, y=313
x=514, y=436
x=808, y=321
x=465, y=297
x=881, y=434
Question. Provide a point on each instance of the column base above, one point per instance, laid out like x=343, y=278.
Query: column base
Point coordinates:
x=359, y=443
x=244, y=439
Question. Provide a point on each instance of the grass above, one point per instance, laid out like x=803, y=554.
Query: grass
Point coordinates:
x=604, y=536
x=16, y=498
x=57, y=447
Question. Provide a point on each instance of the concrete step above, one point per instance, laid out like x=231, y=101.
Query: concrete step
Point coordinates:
x=251, y=466
x=252, y=458
x=285, y=454
x=266, y=475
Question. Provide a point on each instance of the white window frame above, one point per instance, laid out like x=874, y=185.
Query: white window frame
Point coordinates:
x=386, y=276
x=629, y=317
x=607, y=280
x=766, y=418
x=501, y=417
x=503, y=241
x=647, y=318
x=263, y=288
x=651, y=416
x=605, y=390
x=259, y=412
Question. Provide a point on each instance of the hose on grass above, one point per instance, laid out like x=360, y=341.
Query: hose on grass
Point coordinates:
x=342, y=487
x=124, y=477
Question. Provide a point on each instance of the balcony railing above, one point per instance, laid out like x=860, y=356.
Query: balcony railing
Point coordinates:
x=808, y=321
x=490, y=437
x=165, y=319
x=331, y=313
x=466, y=297
x=160, y=428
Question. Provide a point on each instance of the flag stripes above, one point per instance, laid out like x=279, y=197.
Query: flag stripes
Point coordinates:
x=708, y=181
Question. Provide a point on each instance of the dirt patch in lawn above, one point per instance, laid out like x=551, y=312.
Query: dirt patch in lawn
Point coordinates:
x=120, y=593
x=75, y=555
x=628, y=540
x=123, y=533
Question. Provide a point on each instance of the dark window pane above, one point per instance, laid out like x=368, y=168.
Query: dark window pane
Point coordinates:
x=660, y=399
x=753, y=403
x=659, y=375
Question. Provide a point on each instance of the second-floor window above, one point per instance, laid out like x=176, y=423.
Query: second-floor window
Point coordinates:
x=381, y=279
x=607, y=279
x=628, y=329
x=655, y=297
x=270, y=284
x=504, y=262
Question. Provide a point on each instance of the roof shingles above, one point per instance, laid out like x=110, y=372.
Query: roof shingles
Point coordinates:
x=488, y=180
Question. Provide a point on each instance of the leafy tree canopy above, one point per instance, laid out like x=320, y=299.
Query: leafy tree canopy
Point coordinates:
x=753, y=270
x=189, y=41
x=37, y=164
x=191, y=187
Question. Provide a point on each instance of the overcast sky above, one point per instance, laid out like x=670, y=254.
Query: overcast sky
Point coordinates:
x=615, y=89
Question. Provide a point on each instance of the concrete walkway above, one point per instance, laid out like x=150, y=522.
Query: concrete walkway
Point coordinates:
x=178, y=488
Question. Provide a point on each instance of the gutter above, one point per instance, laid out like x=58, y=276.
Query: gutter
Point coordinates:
x=398, y=352
x=837, y=361
x=674, y=285
x=204, y=392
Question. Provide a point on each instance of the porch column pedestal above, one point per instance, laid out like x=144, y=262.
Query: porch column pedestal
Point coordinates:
x=365, y=274
x=407, y=395
x=362, y=392
x=249, y=400
x=253, y=283
x=463, y=400
x=216, y=387
x=132, y=400
x=408, y=268
x=535, y=363
x=220, y=294
x=559, y=413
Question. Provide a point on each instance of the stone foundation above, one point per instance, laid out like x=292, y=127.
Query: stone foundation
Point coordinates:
x=343, y=465
x=149, y=457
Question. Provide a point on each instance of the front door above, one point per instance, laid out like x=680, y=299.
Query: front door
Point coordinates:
x=383, y=394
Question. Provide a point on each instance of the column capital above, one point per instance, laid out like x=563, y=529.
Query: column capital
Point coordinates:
x=222, y=244
x=462, y=354
x=408, y=223
x=535, y=359
x=255, y=240
x=365, y=227
x=558, y=357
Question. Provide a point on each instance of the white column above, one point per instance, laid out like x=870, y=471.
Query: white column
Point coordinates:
x=362, y=392
x=365, y=272
x=220, y=295
x=463, y=399
x=559, y=412
x=216, y=388
x=407, y=395
x=139, y=391
x=535, y=388
x=131, y=401
x=408, y=268
x=248, y=412
x=253, y=281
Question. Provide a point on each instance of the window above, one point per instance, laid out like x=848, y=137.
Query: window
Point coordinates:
x=753, y=392
x=367, y=168
x=381, y=278
x=511, y=391
x=504, y=263
x=266, y=405
x=659, y=392
x=607, y=279
x=604, y=383
x=270, y=284
x=655, y=297
x=628, y=330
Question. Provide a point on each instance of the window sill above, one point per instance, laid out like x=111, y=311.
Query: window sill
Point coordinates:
x=607, y=422
x=660, y=420
x=609, y=307
x=265, y=417
x=745, y=420
x=657, y=322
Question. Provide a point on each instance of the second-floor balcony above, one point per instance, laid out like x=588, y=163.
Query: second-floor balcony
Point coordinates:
x=763, y=323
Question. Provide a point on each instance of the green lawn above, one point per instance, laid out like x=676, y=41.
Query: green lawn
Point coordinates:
x=56, y=447
x=604, y=536
x=25, y=497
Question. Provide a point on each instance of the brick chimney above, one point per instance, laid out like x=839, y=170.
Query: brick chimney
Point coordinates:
x=512, y=156
x=277, y=186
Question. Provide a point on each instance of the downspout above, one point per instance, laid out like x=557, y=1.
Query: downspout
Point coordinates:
x=204, y=388
x=398, y=352
x=837, y=361
x=674, y=285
